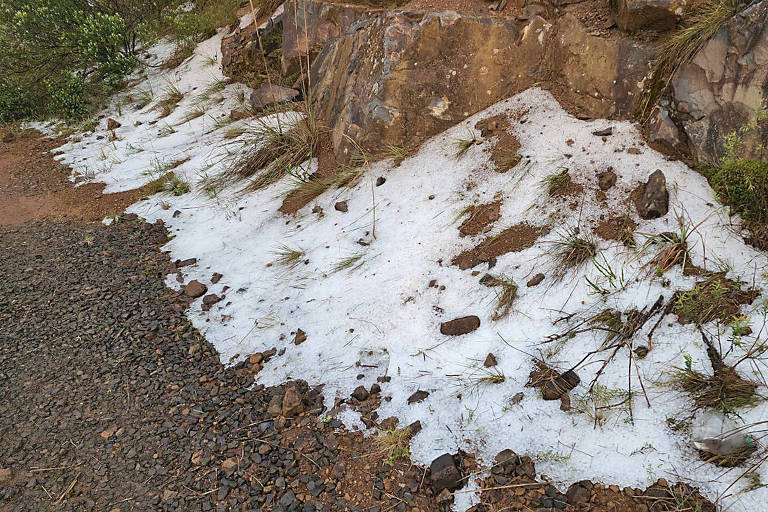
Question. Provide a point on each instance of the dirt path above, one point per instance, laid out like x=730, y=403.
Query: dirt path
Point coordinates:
x=34, y=186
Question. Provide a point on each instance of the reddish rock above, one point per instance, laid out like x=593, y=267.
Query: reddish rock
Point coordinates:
x=341, y=206
x=291, y=405
x=490, y=360
x=418, y=396
x=195, y=289
x=459, y=326
x=606, y=180
x=535, y=280
x=112, y=124
x=300, y=337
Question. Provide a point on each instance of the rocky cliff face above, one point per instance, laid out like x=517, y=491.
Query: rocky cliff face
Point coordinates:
x=720, y=89
x=396, y=77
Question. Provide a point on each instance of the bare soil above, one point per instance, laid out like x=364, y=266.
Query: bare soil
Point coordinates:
x=35, y=186
x=513, y=239
x=480, y=217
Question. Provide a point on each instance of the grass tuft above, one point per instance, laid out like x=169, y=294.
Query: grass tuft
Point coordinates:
x=556, y=183
x=288, y=257
x=572, y=250
x=274, y=152
x=348, y=263
x=463, y=145
x=505, y=296
x=394, y=444
x=715, y=298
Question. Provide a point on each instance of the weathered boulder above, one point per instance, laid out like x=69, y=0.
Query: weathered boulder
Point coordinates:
x=195, y=289
x=652, y=197
x=720, y=89
x=633, y=15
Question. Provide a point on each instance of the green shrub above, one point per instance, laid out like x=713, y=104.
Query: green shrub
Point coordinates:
x=743, y=185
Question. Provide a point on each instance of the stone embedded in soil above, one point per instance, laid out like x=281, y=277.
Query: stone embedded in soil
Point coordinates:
x=418, y=396
x=444, y=474
x=186, y=262
x=112, y=124
x=604, y=132
x=535, y=280
x=460, y=326
x=195, y=289
x=300, y=337
x=652, y=197
x=579, y=493
x=606, y=180
x=291, y=404
x=554, y=388
x=490, y=360
x=341, y=206
x=360, y=394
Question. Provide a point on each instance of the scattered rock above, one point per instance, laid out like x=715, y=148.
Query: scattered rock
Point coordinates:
x=515, y=400
x=211, y=299
x=237, y=115
x=360, y=394
x=444, y=474
x=216, y=277
x=341, y=206
x=459, y=326
x=490, y=360
x=606, y=180
x=554, y=388
x=605, y=132
x=579, y=493
x=652, y=198
x=112, y=124
x=535, y=280
x=300, y=337
x=229, y=465
x=418, y=396
x=269, y=94
x=185, y=263
x=641, y=351
x=291, y=405
x=176, y=213
x=380, y=181
x=195, y=289
x=375, y=388
x=565, y=402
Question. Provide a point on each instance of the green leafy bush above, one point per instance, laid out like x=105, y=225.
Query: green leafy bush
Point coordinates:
x=743, y=185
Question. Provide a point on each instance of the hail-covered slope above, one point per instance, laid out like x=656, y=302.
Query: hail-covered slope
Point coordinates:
x=361, y=288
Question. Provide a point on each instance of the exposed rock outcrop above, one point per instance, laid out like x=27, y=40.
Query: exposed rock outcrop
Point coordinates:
x=720, y=89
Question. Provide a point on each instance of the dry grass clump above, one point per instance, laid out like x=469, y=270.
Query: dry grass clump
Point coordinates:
x=288, y=257
x=724, y=390
x=506, y=294
x=394, y=444
x=572, y=250
x=274, y=152
x=556, y=183
x=309, y=187
x=463, y=145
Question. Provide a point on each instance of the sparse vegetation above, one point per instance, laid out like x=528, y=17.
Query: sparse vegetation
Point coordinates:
x=572, y=250
x=715, y=298
x=275, y=150
x=351, y=262
x=557, y=182
x=394, y=444
x=506, y=294
x=463, y=145
x=169, y=183
x=288, y=257
x=171, y=97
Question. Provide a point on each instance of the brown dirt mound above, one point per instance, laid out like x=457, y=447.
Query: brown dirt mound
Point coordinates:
x=34, y=186
x=514, y=239
x=619, y=228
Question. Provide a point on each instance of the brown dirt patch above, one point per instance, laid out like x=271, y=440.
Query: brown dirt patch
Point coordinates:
x=505, y=153
x=514, y=239
x=619, y=228
x=34, y=186
x=480, y=217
